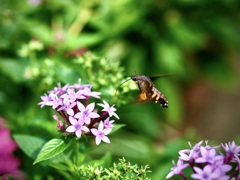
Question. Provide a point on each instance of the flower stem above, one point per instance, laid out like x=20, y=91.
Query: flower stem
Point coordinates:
x=97, y=120
x=233, y=173
x=183, y=176
x=86, y=101
x=64, y=116
x=192, y=164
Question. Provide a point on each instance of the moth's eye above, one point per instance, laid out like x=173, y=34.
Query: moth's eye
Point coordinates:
x=134, y=78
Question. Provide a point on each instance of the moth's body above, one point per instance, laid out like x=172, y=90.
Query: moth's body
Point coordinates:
x=149, y=91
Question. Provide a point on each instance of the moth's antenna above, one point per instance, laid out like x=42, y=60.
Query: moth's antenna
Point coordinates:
x=120, y=85
x=134, y=70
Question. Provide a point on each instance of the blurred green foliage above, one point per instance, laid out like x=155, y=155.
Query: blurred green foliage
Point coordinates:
x=45, y=42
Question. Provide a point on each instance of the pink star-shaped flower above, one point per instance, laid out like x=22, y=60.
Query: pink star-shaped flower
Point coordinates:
x=110, y=109
x=108, y=123
x=86, y=113
x=76, y=126
x=101, y=133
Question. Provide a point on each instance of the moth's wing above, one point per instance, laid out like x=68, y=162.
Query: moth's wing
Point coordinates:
x=153, y=78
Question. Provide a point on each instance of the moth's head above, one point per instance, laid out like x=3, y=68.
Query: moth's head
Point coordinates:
x=139, y=78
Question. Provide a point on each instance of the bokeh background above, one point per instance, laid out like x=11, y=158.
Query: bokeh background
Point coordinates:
x=43, y=42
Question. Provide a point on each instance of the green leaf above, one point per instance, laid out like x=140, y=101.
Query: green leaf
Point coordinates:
x=63, y=161
x=59, y=166
x=30, y=145
x=117, y=127
x=60, y=162
x=85, y=40
x=107, y=160
x=51, y=149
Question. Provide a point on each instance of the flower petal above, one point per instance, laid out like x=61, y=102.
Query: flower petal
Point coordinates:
x=170, y=175
x=100, y=126
x=97, y=140
x=78, y=115
x=107, y=131
x=80, y=107
x=183, y=156
x=84, y=128
x=71, y=129
x=104, y=105
x=78, y=133
x=70, y=112
x=94, y=115
x=72, y=120
x=94, y=131
x=91, y=106
x=114, y=114
x=87, y=120
x=105, y=139
x=197, y=169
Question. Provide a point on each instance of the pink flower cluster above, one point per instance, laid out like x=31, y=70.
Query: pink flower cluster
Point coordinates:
x=9, y=164
x=82, y=115
x=208, y=163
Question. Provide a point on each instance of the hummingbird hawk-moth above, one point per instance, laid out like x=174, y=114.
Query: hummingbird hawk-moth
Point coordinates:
x=148, y=91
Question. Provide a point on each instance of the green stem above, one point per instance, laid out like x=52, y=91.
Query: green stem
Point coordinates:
x=76, y=152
